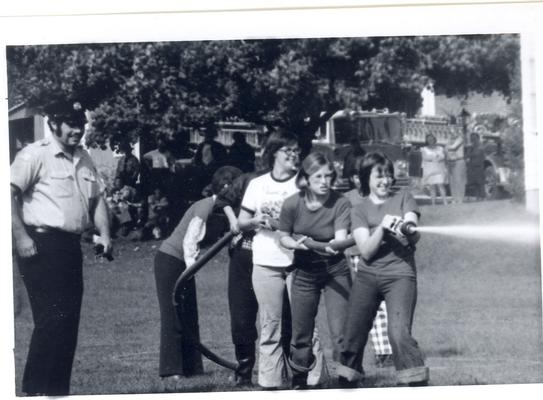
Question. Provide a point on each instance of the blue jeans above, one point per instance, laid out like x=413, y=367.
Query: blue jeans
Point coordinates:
x=270, y=284
x=400, y=295
x=313, y=275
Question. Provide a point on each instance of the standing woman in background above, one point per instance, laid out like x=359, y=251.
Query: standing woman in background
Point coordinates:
x=434, y=169
x=260, y=209
x=457, y=165
x=322, y=214
x=476, y=166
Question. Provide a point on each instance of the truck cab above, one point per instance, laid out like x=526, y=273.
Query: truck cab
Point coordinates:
x=376, y=131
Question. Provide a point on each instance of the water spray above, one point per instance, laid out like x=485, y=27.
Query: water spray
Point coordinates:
x=514, y=233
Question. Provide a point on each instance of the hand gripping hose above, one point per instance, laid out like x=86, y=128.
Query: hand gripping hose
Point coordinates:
x=337, y=245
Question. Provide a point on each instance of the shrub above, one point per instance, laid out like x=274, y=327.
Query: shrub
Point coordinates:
x=513, y=154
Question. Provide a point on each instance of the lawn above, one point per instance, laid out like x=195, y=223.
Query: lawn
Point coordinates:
x=478, y=317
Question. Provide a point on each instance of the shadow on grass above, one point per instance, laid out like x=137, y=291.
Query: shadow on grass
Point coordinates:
x=443, y=352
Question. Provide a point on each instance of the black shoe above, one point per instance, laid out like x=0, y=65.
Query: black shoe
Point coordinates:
x=344, y=383
x=268, y=388
x=418, y=384
x=299, y=383
x=242, y=381
x=317, y=386
x=245, y=354
x=299, y=386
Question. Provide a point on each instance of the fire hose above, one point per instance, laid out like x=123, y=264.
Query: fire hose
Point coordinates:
x=337, y=245
x=177, y=296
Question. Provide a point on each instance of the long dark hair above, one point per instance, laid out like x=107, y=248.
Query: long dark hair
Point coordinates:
x=369, y=161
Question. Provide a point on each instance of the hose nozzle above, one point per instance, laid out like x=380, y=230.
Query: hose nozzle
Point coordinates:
x=408, y=228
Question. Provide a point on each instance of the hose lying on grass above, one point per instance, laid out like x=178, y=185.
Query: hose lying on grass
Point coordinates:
x=178, y=294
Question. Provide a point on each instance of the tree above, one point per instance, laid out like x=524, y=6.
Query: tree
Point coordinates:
x=481, y=63
x=142, y=90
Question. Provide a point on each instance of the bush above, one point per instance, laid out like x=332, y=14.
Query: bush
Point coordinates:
x=513, y=153
x=511, y=147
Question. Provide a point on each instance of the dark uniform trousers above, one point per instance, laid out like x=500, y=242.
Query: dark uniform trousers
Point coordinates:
x=54, y=281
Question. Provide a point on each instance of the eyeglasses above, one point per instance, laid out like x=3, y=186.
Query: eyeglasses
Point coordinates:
x=290, y=152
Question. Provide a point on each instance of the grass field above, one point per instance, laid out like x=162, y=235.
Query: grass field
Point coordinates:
x=478, y=317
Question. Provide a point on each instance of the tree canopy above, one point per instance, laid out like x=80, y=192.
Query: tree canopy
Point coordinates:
x=141, y=90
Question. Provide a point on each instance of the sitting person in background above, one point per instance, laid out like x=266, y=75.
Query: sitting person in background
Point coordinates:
x=157, y=217
x=119, y=199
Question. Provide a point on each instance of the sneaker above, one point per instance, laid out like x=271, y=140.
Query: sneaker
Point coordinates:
x=384, y=361
x=171, y=383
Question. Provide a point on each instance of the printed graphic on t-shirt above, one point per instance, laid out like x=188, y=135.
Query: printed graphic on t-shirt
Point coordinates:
x=272, y=208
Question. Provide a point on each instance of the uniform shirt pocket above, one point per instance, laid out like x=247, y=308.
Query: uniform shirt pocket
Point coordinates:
x=92, y=187
x=62, y=184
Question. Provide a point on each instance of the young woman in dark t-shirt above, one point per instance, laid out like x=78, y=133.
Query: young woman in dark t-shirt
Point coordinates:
x=323, y=215
x=386, y=270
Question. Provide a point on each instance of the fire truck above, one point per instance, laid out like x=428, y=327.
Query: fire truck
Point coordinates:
x=401, y=138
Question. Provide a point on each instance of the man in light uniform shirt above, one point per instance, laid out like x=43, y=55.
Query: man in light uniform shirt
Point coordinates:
x=55, y=196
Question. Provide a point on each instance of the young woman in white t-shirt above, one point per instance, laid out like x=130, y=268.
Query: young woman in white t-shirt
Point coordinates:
x=260, y=209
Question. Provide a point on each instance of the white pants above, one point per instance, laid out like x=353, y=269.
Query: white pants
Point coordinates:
x=269, y=284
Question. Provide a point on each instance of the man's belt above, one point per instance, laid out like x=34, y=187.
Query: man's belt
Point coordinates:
x=52, y=231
